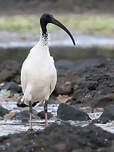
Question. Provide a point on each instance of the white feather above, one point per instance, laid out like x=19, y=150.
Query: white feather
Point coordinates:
x=38, y=74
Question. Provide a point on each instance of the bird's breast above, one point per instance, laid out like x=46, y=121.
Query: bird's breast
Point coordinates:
x=39, y=74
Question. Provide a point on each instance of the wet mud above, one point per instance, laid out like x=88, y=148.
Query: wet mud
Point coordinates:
x=59, y=138
x=86, y=85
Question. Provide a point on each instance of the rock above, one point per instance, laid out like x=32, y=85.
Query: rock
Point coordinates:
x=9, y=70
x=24, y=115
x=103, y=100
x=10, y=65
x=63, y=87
x=42, y=115
x=5, y=75
x=9, y=115
x=94, y=89
x=108, y=114
x=3, y=111
x=63, y=98
x=68, y=112
x=53, y=100
x=59, y=138
x=5, y=94
x=12, y=86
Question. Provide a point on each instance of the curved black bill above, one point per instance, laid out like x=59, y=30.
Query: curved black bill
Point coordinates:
x=56, y=22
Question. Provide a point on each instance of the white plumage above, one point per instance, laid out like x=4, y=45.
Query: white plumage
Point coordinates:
x=38, y=74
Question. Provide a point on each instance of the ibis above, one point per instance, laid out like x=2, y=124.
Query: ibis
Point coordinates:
x=38, y=73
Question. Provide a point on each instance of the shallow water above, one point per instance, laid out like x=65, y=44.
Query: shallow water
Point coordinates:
x=81, y=40
x=16, y=126
x=87, y=46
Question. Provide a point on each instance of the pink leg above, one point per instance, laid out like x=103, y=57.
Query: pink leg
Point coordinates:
x=30, y=112
x=46, y=115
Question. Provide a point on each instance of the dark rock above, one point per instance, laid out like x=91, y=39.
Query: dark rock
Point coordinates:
x=5, y=76
x=103, y=100
x=108, y=114
x=68, y=112
x=64, y=64
x=60, y=138
x=95, y=86
x=63, y=87
x=3, y=111
x=42, y=115
x=16, y=78
x=12, y=86
x=53, y=100
x=23, y=115
x=92, y=85
x=9, y=70
x=10, y=65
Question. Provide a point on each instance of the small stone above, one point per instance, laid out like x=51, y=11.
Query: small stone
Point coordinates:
x=5, y=93
x=12, y=86
x=9, y=115
x=17, y=96
x=3, y=111
x=63, y=98
x=68, y=112
x=42, y=115
x=63, y=87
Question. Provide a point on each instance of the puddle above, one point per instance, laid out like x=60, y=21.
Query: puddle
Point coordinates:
x=107, y=127
x=16, y=126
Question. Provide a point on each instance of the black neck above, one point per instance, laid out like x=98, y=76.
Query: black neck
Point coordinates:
x=43, y=25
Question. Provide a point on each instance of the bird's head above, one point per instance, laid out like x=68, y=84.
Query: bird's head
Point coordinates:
x=48, y=18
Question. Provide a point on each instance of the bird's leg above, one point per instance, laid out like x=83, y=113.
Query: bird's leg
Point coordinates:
x=30, y=112
x=46, y=115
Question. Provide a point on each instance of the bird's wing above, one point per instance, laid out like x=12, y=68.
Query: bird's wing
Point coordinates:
x=23, y=79
x=53, y=82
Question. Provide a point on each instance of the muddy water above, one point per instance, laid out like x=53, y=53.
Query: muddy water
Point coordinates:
x=15, y=126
